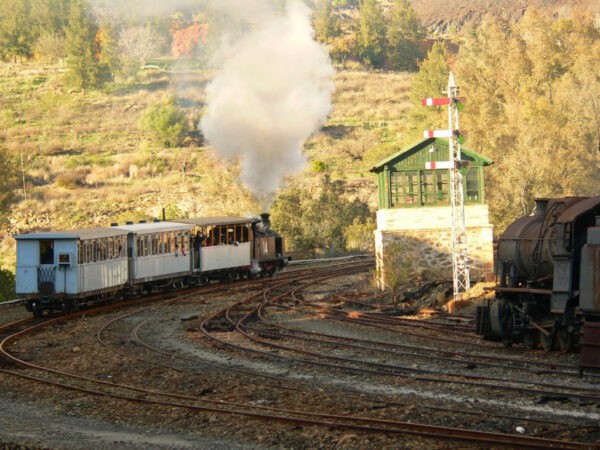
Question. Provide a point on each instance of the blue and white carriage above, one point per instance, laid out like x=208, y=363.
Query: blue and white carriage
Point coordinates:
x=56, y=270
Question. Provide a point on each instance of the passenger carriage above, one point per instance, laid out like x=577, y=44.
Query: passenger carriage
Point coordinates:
x=59, y=269
x=224, y=247
x=159, y=254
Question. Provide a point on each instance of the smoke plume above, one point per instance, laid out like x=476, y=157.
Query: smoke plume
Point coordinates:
x=272, y=91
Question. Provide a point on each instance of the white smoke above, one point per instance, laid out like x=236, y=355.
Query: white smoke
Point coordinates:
x=272, y=91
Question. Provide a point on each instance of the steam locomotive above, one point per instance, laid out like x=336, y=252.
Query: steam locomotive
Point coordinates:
x=548, y=280
x=64, y=270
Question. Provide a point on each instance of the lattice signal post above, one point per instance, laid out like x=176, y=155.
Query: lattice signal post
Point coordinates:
x=460, y=266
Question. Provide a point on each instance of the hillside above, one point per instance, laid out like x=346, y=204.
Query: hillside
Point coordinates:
x=445, y=15
x=87, y=163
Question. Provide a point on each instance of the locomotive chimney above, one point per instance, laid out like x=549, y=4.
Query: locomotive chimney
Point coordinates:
x=265, y=223
x=541, y=205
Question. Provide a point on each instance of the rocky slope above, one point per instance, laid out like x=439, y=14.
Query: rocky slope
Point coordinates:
x=441, y=16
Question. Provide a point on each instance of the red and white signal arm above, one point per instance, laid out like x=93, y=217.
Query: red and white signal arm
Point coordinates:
x=438, y=165
x=436, y=101
x=437, y=133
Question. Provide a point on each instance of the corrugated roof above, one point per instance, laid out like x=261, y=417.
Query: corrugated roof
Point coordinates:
x=221, y=220
x=154, y=227
x=89, y=233
x=377, y=167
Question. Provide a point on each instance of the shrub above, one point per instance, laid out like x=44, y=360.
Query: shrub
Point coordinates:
x=7, y=285
x=166, y=121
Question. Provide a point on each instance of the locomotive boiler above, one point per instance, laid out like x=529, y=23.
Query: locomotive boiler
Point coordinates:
x=548, y=282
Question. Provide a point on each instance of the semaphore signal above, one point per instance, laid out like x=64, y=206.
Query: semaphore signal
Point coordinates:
x=460, y=267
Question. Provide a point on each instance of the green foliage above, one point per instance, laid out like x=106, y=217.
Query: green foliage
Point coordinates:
x=166, y=121
x=85, y=70
x=371, y=38
x=318, y=224
x=403, y=35
x=17, y=33
x=532, y=93
x=399, y=266
x=110, y=55
x=326, y=24
x=7, y=285
x=359, y=234
x=8, y=182
x=320, y=166
x=50, y=47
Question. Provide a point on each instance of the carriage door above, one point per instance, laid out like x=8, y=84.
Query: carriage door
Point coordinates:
x=46, y=269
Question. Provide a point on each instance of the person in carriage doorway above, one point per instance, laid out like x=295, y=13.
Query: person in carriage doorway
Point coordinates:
x=197, y=243
x=47, y=252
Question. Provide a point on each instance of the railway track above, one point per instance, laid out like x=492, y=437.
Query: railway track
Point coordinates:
x=126, y=336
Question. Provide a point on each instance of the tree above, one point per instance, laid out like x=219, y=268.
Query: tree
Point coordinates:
x=319, y=223
x=110, y=54
x=398, y=267
x=138, y=45
x=371, y=39
x=524, y=84
x=85, y=70
x=166, y=121
x=9, y=181
x=7, y=285
x=17, y=33
x=404, y=33
x=50, y=46
x=326, y=24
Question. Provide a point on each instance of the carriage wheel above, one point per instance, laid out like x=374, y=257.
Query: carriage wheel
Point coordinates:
x=38, y=311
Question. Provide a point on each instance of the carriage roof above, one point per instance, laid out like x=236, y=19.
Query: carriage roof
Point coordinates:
x=82, y=234
x=154, y=227
x=221, y=220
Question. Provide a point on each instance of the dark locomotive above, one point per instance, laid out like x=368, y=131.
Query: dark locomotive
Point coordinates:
x=548, y=282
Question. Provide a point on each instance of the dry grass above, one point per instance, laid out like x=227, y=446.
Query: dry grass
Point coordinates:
x=88, y=164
